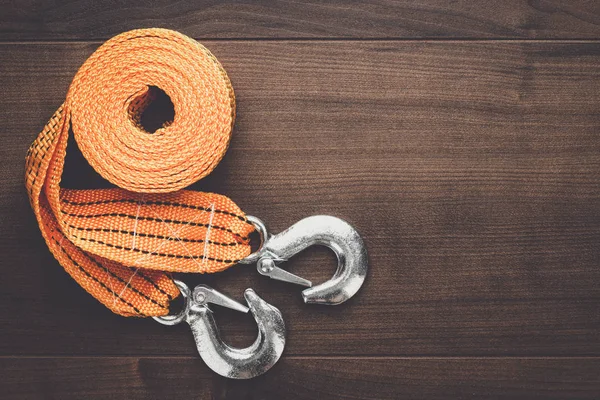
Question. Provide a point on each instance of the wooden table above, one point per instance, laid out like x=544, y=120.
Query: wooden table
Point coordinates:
x=460, y=138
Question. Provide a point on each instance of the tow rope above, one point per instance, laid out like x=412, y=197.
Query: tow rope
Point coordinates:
x=119, y=244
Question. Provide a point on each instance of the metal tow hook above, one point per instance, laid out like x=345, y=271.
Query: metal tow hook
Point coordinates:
x=324, y=230
x=225, y=360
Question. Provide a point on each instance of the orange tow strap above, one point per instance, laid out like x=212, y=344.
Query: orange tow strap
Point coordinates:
x=117, y=243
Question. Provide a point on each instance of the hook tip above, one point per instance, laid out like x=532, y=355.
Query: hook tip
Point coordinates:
x=250, y=296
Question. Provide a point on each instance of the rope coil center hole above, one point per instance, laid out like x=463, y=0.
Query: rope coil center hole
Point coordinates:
x=152, y=110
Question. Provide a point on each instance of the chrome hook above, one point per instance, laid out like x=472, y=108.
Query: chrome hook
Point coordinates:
x=225, y=360
x=324, y=230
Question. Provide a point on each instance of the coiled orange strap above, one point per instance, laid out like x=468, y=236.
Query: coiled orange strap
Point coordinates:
x=116, y=243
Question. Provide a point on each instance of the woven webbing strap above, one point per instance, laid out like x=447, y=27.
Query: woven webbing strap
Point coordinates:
x=116, y=243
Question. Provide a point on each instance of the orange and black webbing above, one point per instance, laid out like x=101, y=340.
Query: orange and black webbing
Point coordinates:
x=119, y=244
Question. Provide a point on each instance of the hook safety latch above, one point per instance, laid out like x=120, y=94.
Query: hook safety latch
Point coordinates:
x=325, y=230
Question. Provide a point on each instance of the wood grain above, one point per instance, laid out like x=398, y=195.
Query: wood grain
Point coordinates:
x=91, y=19
x=302, y=378
x=472, y=169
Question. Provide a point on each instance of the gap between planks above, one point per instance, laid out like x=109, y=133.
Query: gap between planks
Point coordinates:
x=323, y=40
x=307, y=357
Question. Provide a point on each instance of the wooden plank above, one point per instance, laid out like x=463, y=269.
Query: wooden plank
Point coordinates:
x=472, y=170
x=303, y=378
x=90, y=19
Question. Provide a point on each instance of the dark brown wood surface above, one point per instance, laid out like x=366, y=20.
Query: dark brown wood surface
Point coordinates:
x=471, y=168
x=304, y=378
x=93, y=19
